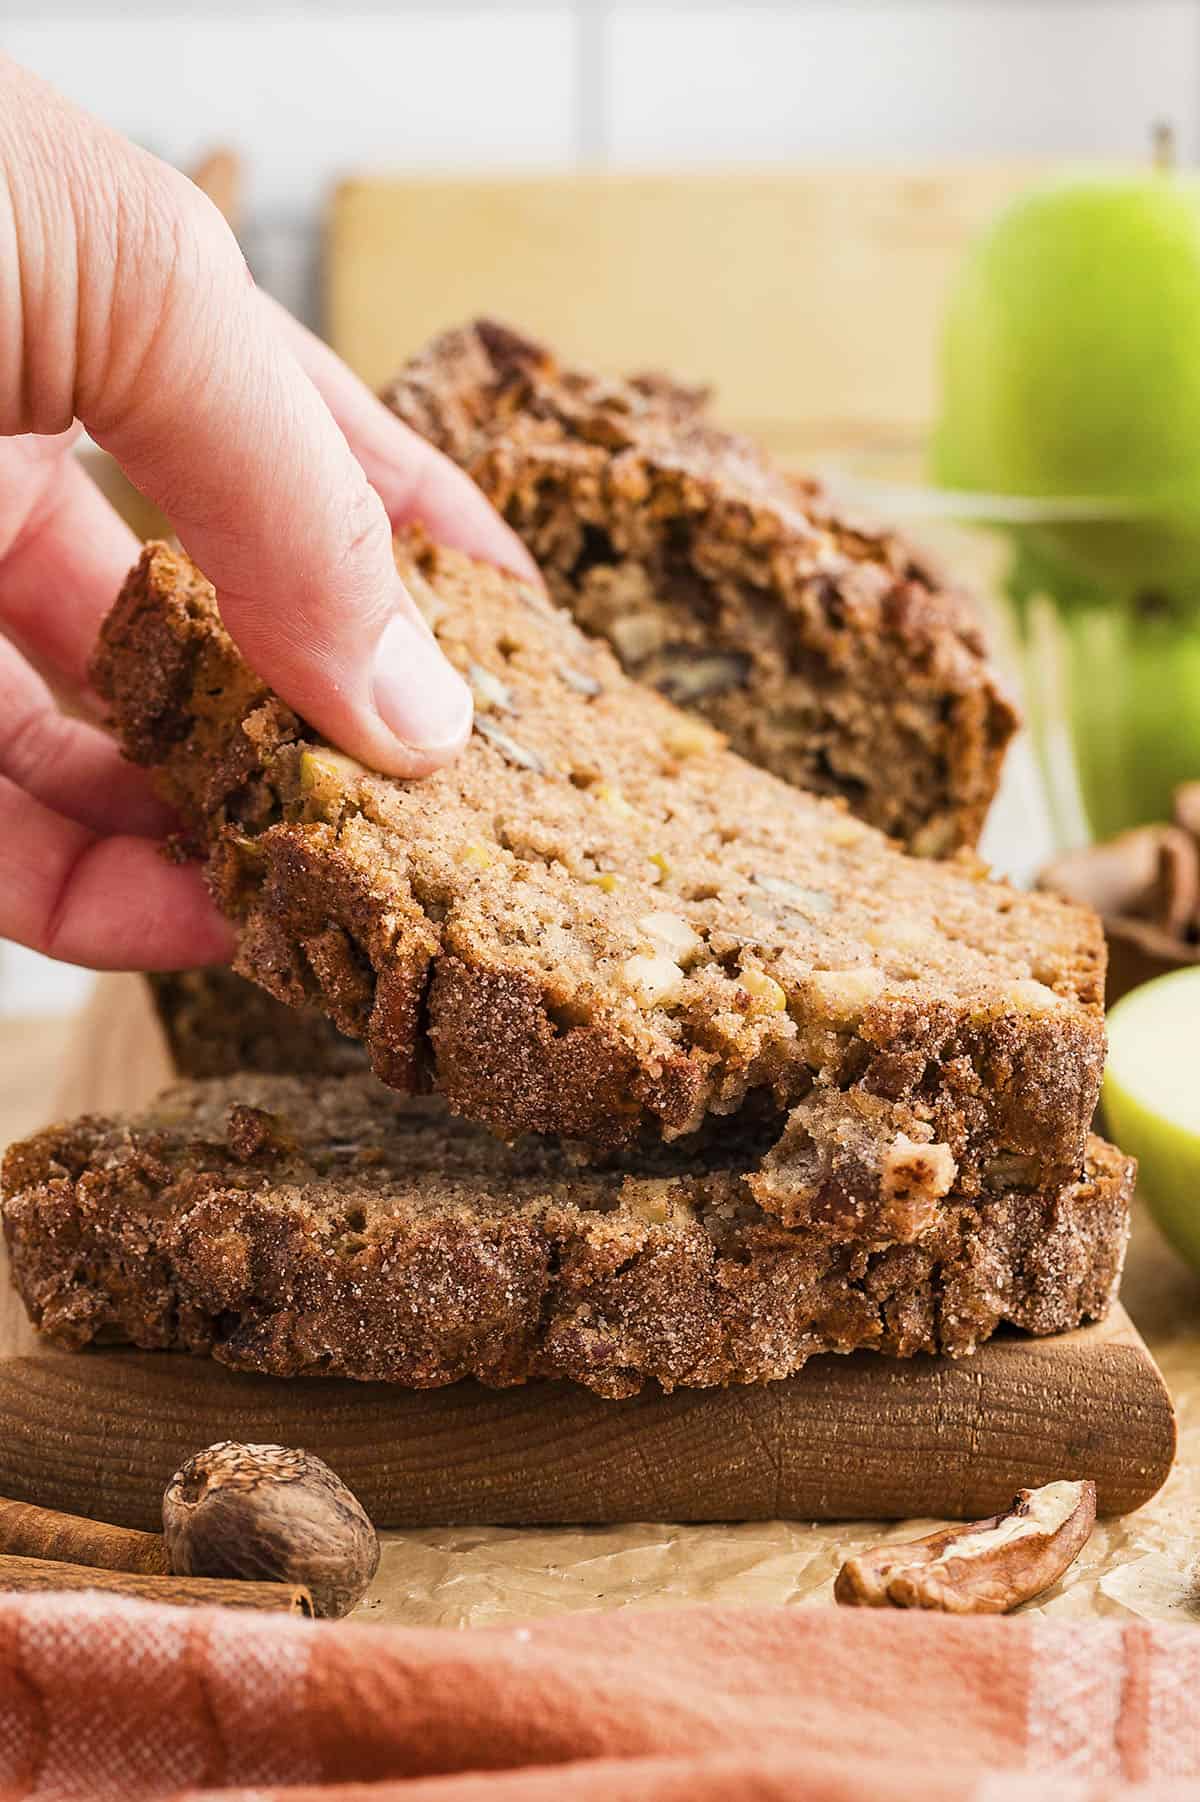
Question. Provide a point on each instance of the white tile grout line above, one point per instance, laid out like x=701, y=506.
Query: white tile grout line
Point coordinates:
x=23, y=10
x=593, y=74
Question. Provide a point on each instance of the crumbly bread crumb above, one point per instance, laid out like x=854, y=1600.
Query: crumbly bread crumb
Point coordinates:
x=857, y=1166
x=829, y=651
x=321, y=1227
x=573, y=929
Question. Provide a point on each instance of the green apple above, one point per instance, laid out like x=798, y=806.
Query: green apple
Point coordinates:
x=1152, y=1099
x=1071, y=368
x=1071, y=375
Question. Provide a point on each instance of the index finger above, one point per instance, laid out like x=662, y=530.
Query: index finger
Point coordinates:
x=139, y=316
x=414, y=480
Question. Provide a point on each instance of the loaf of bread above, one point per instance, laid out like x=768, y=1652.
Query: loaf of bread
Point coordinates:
x=324, y=1227
x=830, y=652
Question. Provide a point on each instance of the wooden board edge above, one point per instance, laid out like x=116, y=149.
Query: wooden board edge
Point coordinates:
x=861, y=1437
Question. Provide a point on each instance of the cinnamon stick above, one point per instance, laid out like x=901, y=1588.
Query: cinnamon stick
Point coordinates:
x=1176, y=892
x=42, y=1574
x=30, y=1532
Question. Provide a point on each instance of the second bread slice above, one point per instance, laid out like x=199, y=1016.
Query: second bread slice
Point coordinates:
x=317, y=1227
x=829, y=651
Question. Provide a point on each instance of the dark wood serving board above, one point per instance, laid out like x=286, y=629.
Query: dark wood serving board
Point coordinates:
x=849, y=1438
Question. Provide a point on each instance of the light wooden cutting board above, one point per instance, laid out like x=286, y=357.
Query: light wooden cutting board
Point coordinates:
x=100, y=1432
x=810, y=297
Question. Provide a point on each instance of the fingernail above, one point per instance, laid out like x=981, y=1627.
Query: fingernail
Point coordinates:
x=423, y=700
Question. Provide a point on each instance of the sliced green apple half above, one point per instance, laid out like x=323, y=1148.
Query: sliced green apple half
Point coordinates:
x=1152, y=1099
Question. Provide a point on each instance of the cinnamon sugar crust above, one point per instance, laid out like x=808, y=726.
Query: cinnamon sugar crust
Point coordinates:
x=321, y=1227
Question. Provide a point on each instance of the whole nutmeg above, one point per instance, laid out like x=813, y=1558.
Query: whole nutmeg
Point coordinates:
x=267, y=1512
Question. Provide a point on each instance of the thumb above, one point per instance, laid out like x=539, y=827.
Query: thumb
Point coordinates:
x=162, y=349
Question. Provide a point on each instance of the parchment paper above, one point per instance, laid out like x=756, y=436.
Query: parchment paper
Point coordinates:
x=1141, y=1565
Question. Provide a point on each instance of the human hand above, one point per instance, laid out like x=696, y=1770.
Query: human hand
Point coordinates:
x=128, y=308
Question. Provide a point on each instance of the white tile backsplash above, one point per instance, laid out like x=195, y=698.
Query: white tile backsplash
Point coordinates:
x=914, y=78
x=309, y=90
x=310, y=95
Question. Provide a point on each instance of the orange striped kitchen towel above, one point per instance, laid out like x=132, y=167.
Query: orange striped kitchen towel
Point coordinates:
x=128, y=1701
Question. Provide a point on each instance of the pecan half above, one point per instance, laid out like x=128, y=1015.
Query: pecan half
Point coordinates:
x=1150, y=873
x=1146, y=885
x=987, y=1567
x=1116, y=878
x=1175, y=896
